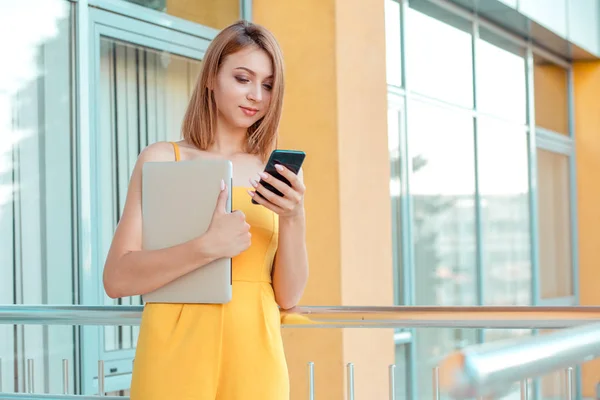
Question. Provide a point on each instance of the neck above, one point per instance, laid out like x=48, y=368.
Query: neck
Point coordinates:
x=228, y=140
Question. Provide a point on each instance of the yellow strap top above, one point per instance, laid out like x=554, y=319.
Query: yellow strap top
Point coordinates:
x=176, y=149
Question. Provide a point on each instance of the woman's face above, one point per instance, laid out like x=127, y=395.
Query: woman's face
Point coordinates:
x=243, y=87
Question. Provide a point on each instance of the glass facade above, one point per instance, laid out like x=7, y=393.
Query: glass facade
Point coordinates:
x=37, y=241
x=556, y=275
x=483, y=214
x=505, y=219
x=143, y=97
x=72, y=123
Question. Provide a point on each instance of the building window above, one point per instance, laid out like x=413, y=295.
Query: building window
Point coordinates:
x=505, y=220
x=395, y=126
x=556, y=271
x=468, y=126
x=143, y=97
x=37, y=237
x=501, y=87
x=439, y=55
x=443, y=201
x=554, y=195
x=393, y=48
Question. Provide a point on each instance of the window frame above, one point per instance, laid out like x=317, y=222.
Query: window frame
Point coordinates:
x=537, y=137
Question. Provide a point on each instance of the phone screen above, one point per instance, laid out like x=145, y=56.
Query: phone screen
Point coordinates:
x=291, y=159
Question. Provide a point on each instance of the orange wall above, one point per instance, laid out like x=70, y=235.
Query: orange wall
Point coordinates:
x=214, y=13
x=551, y=108
x=337, y=114
x=587, y=147
x=309, y=123
x=365, y=204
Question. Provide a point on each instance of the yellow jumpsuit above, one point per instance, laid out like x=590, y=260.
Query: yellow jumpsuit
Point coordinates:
x=230, y=351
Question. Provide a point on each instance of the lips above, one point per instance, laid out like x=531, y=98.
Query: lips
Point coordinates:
x=250, y=112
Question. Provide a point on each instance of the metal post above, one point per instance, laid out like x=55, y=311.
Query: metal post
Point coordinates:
x=436, y=383
x=350, y=381
x=311, y=380
x=100, y=378
x=392, y=382
x=30, y=374
x=65, y=376
x=525, y=389
x=569, y=383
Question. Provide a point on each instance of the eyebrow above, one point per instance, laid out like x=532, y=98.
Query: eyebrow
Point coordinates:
x=252, y=72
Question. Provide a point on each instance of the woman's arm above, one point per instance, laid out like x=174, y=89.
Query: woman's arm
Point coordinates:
x=129, y=270
x=290, y=268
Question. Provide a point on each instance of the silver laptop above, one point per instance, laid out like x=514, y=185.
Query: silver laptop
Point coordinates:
x=178, y=201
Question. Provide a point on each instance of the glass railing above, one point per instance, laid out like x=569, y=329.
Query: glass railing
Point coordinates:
x=485, y=370
x=477, y=371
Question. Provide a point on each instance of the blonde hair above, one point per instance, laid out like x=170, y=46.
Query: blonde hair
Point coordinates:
x=200, y=117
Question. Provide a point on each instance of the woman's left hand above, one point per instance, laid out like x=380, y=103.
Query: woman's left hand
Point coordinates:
x=291, y=204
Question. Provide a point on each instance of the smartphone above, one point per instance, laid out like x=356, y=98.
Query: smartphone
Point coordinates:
x=291, y=159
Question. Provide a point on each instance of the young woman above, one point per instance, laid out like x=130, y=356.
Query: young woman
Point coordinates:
x=227, y=351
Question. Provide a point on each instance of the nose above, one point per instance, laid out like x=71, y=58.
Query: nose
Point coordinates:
x=255, y=93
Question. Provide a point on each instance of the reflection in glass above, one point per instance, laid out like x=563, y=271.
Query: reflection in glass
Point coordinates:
x=504, y=191
x=401, y=376
x=395, y=123
x=443, y=199
x=551, y=102
x=394, y=127
x=37, y=263
x=439, y=56
x=392, y=42
x=501, y=87
x=47, y=346
x=443, y=196
x=556, y=278
x=159, y=5
x=143, y=97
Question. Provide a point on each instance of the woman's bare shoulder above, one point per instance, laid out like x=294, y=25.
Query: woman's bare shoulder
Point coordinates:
x=159, y=151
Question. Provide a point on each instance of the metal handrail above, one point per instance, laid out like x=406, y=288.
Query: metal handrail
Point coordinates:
x=490, y=317
x=31, y=396
x=489, y=369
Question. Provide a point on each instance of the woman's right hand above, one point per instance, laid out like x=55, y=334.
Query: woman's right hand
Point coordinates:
x=228, y=233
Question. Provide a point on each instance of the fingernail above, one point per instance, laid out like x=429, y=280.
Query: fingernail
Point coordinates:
x=278, y=167
x=251, y=193
x=263, y=175
x=253, y=182
x=222, y=185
